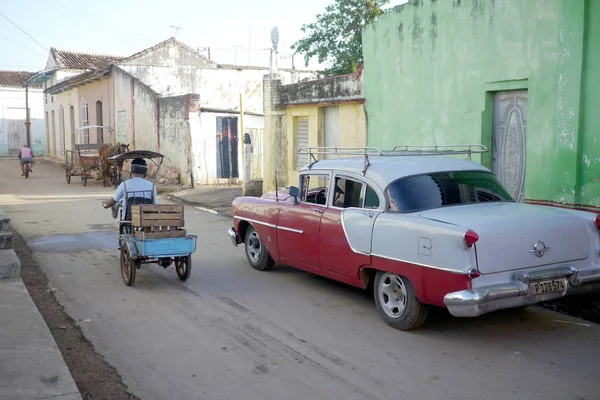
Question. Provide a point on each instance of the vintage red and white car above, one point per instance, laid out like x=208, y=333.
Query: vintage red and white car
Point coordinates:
x=424, y=229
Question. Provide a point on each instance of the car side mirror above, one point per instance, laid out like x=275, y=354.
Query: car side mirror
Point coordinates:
x=295, y=192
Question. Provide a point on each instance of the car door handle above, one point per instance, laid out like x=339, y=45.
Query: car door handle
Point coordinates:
x=318, y=210
x=368, y=214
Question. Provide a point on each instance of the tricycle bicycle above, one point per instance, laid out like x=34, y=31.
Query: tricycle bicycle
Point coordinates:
x=152, y=233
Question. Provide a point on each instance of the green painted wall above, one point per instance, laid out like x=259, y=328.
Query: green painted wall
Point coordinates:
x=431, y=67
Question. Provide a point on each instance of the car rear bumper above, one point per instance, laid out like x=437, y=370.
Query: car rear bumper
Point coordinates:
x=233, y=236
x=482, y=300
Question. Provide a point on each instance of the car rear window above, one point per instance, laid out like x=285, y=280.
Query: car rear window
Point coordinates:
x=442, y=189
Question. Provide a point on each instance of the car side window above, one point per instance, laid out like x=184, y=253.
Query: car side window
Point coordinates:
x=347, y=193
x=314, y=189
x=371, y=198
x=351, y=193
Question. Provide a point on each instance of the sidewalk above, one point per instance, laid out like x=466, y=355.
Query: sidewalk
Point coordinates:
x=215, y=199
x=31, y=365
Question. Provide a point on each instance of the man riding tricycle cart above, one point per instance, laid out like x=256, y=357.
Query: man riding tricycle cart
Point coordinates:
x=148, y=232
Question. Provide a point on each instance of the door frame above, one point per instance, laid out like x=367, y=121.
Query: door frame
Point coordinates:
x=487, y=117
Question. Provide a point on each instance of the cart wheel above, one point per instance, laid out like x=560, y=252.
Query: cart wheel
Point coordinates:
x=128, y=266
x=83, y=178
x=68, y=174
x=183, y=265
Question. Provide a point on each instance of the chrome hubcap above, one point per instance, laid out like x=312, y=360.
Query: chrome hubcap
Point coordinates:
x=392, y=295
x=253, y=247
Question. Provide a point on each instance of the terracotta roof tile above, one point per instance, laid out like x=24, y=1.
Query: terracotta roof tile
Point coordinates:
x=15, y=78
x=81, y=61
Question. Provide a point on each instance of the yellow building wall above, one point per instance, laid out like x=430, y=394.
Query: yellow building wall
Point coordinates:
x=352, y=123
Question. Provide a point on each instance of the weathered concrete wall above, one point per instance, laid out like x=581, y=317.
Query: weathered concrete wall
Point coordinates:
x=331, y=89
x=13, y=133
x=169, y=54
x=277, y=164
x=431, y=67
x=136, y=112
x=175, y=114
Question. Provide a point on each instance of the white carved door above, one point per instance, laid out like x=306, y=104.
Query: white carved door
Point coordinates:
x=508, y=146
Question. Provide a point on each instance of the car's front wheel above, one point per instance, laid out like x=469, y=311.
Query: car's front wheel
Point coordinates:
x=256, y=252
x=397, y=302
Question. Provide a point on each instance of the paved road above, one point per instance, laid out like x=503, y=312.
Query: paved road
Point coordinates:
x=234, y=333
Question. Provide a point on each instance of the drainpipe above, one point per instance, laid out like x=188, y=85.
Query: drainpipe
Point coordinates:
x=27, y=122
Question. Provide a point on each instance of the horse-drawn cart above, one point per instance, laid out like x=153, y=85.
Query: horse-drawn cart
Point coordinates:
x=85, y=162
x=90, y=161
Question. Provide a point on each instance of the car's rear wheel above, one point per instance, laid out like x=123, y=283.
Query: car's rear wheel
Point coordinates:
x=397, y=302
x=256, y=252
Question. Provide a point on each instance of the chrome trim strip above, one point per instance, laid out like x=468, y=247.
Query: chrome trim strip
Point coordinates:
x=283, y=228
x=453, y=271
x=255, y=221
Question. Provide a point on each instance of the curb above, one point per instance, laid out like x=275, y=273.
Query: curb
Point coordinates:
x=10, y=265
x=198, y=206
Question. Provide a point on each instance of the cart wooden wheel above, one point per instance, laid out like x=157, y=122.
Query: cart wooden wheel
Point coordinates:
x=128, y=266
x=68, y=174
x=83, y=178
x=183, y=265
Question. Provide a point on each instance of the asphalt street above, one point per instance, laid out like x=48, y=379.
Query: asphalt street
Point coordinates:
x=230, y=332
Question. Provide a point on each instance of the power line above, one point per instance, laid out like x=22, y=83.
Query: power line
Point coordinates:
x=18, y=27
x=142, y=41
x=22, y=46
x=118, y=36
x=123, y=31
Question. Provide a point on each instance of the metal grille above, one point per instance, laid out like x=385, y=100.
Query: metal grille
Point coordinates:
x=301, y=141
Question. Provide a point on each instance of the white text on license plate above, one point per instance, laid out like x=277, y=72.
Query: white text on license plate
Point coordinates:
x=547, y=286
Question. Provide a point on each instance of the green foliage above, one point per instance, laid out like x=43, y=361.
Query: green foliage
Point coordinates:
x=336, y=37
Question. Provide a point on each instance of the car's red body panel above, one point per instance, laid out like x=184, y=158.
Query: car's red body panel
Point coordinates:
x=311, y=237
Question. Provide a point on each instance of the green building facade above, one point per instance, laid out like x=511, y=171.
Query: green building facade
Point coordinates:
x=520, y=76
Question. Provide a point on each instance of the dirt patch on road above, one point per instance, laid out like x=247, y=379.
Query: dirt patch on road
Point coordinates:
x=94, y=377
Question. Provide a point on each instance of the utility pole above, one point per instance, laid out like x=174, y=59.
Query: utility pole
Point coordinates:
x=27, y=121
x=242, y=136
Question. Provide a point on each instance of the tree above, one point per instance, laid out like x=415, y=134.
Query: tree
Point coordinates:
x=336, y=37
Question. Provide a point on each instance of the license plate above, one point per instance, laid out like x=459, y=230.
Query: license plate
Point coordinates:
x=547, y=286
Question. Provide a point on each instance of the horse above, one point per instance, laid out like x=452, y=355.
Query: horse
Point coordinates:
x=107, y=151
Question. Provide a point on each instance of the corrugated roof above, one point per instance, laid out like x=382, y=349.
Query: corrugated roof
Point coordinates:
x=16, y=78
x=81, y=61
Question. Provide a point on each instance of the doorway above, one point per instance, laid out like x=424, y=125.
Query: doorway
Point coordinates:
x=509, y=134
x=227, y=147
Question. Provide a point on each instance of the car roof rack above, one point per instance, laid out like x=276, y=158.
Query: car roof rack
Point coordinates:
x=397, y=151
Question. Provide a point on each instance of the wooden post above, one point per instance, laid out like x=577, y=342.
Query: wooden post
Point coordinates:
x=241, y=137
x=27, y=121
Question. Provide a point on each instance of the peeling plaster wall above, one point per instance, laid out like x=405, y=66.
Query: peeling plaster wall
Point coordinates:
x=177, y=115
x=13, y=116
x=337, y=88
x=429, y=67
x=135, y=113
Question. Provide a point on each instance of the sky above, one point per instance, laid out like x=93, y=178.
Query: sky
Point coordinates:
x=237, y=31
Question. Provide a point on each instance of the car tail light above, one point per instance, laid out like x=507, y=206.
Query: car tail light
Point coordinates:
x=474, y=273
x=470, y=238
x=598, y=222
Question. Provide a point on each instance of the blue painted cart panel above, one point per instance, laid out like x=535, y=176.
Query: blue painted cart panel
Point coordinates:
x=163, y=247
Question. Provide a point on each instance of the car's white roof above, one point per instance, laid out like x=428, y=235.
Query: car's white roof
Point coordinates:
x=386, y=169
